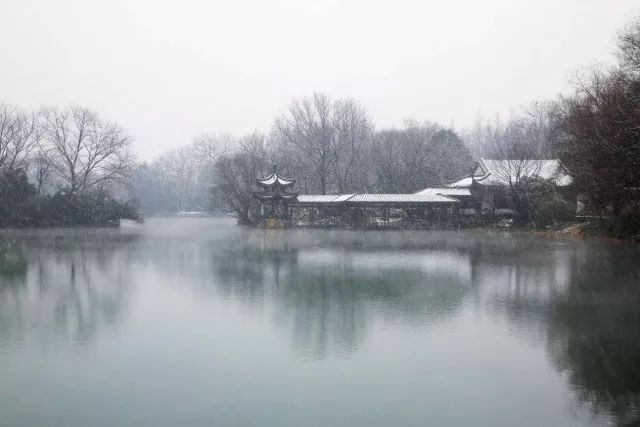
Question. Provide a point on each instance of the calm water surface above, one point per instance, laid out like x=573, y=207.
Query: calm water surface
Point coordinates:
x=196, y=322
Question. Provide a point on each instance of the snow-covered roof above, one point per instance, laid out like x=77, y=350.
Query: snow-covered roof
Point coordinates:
x=455, y=192
x=401, y=198
x=375, y=198
x=343, y=197
x=463, y=183
x=275, y=177
x=321, y=198
x=502, y=172
x=276, y=196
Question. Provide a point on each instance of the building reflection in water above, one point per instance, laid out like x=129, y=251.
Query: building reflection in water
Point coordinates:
x=327, y=296
x=579, y=301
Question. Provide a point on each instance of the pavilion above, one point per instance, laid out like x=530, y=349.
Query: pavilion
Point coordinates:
x=276, y=193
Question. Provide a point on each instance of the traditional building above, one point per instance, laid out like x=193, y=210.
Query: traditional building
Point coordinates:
x=467, y=205
x=488, y=187
x=492, y=181
x=275, y=195
x=360, y=209
x=485, y=191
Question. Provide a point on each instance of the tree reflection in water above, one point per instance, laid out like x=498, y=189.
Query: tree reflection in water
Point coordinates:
x=577, y=299
x=330, y=291
x=581, y=301
x=327, y=294
x=595, y=329
x=61, y=284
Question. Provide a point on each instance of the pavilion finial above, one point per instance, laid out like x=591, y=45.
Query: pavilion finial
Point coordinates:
x=274, y=167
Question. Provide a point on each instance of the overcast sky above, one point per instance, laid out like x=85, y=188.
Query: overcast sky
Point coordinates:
x=168, y=71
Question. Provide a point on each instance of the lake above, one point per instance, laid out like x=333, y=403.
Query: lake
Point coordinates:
x=198, y=322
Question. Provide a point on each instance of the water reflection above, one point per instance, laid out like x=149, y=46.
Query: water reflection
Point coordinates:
x=59, y=286
x=579, y=300
x=595, y=329
x=331, y=293
x=327, y=297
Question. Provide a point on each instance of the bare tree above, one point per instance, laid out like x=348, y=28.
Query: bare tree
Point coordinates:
x=83, y=150
x=353, y=136
x=417, y=156
x=308, y=129
x=180, y=167
x=534, y=130
x=540, y=127
x=236, y=172
x=402, y=157
x=327, y=141
x=483, y=136
x=19, y=135
x=209, y=146
x=521, y=146
x=515, y=165
x=629, y=47
x=181, y=179
x=602, y=129
x=386, y=161
x=41, y=172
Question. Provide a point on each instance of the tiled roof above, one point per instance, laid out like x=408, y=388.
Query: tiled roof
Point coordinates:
x=463, y=183
x=273, y=178
x=317, y=198
x=501, y=172
x=343, y=197
x=401, y=198
x=375, y=198
x=455, y=192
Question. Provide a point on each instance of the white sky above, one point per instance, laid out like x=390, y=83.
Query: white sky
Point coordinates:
x=169, y=71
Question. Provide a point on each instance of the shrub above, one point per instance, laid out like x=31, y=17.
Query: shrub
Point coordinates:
x=543, y=204
x=21, y=207
x=88, y=208
x=17, y=199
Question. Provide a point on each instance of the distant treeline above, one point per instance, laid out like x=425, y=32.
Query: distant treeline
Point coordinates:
x=332, y=146
x=328, y=146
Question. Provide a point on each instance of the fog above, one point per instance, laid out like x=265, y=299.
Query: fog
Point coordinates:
x=171, y=70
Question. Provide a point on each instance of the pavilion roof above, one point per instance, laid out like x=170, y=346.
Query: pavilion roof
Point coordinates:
x=274, y=178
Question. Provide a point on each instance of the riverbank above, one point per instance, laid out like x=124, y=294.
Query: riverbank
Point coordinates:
x=587, y=230
x=593, y=229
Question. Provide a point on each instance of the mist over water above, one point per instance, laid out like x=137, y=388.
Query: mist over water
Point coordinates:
x=195, y=321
